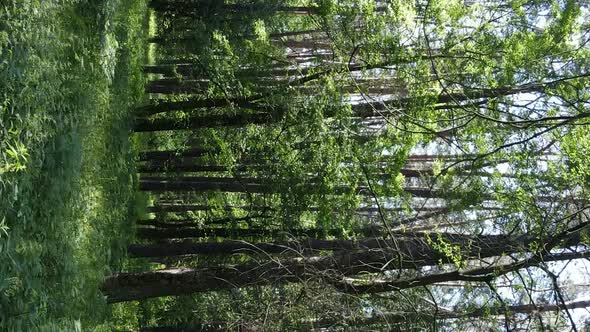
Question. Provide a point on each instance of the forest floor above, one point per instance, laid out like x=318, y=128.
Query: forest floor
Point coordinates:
x=70, y=72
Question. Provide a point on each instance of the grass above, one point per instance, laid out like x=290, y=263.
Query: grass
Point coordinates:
x=69, y=76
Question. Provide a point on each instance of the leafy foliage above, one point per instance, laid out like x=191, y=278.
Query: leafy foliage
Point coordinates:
x=69, y=73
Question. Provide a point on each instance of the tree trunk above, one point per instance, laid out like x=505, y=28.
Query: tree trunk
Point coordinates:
x=256, y=186
x=204, y=184
x=204, y=8
x=181, y=223
x=165, y=155
x=206, y=121
x=218, y=326
x=267, y=114
x=166, y=86
x=484, y=274
x=205, y=327
x=185, y=232
x=407, y=242
x=185, y=166
x=197, y=207
x=392, y=317
x=400, y=254
x=277, y=35
x=173, y=70
x=306, y=43
x=168, y=106
x=180, y=165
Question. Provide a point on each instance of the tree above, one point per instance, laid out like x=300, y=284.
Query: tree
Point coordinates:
x=395, y=255
x=461, y=119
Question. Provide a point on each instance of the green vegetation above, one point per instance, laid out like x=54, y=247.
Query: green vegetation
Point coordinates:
x=296, y=165
x=70, y=71
x=375, y=156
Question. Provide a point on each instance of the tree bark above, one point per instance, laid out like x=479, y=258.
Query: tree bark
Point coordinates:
x=399, y=316
x=173, y=70
x=418, y=242
x=208, y=8
x=206, y=121
x=205, y=327
x=276, y=35
x=256, y=186
x=267, y=114
x=180, y=165
x=402, y=254
x=390, y=317
x=167, y=86
x=165, y=155
x=181, y=223
x=185, y=166
x=168, y=106
x=186, y=232
x=485, y=274
x=197, y=207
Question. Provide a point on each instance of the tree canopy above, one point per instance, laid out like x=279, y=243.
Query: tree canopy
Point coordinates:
x=327, y=165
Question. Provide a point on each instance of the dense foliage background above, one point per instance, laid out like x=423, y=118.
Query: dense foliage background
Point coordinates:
x=270, y=165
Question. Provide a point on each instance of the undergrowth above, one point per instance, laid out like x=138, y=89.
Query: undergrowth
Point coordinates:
x=70, y=72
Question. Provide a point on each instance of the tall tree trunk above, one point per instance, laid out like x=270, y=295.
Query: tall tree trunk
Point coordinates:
x=392, y=317
x=306, y=43
x=181, y=223
x=257, y=186
x=167, y=86
x=186, y=232
x=206, y=121
x=179, y=165
x=332, y=322
x=186, y=166
x=409, y=254
x=205, y=327
x=172, y=70
x=204, y=184
x=197, y=207
x=168, y=106
x=165, y=155
x=262, y=208
x=267, y=114
x=277, y=35
x=484, y=274
x=274, y=36
x=404, y=243
x=208, y=8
